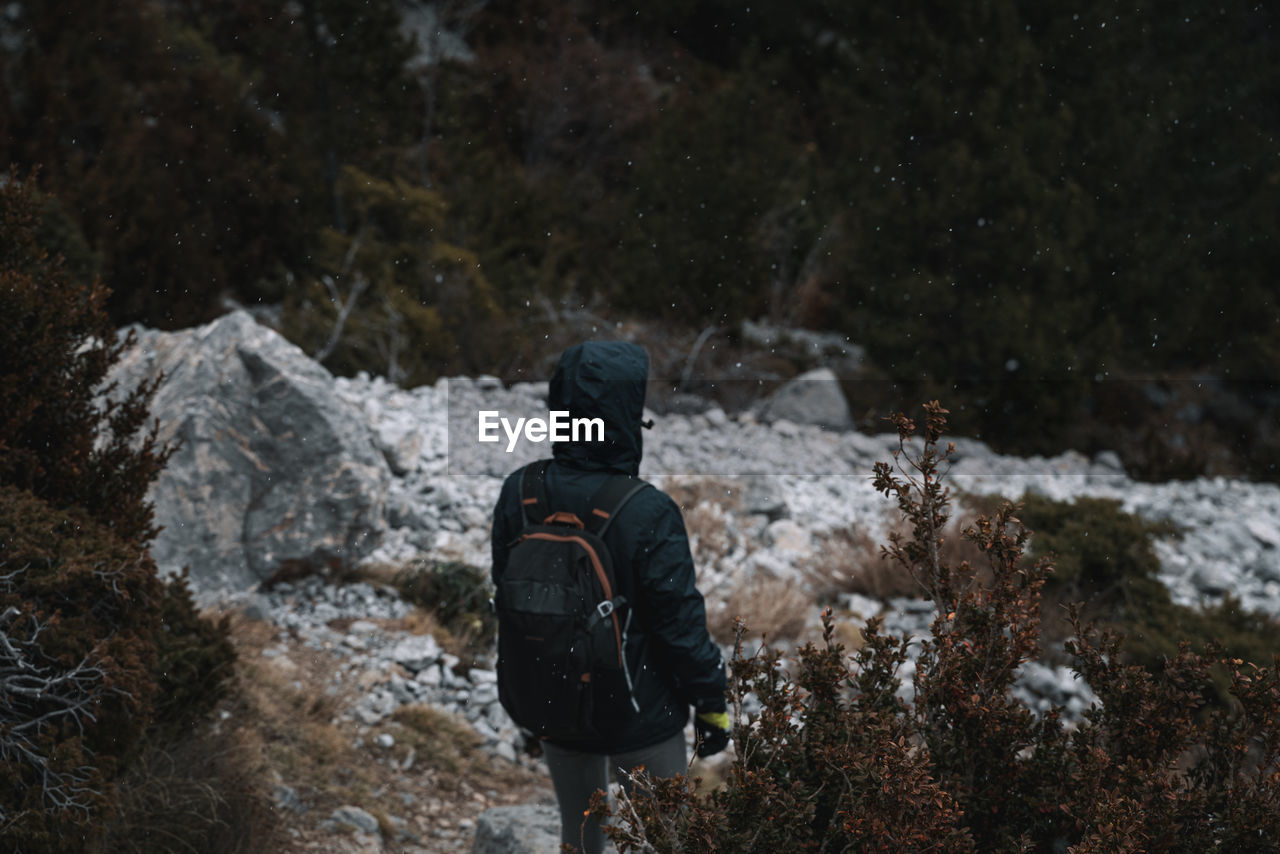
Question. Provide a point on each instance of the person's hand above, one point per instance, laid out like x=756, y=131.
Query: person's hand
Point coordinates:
x=712, y=731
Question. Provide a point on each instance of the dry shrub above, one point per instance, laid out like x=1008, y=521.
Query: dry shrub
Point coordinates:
x=207, y=792
x=451, y=603
x=441, y=739
x=689, y=492
x=421, y=622
x=710, y=533
x=848, y=560
x=289, y=719
x=707, y=504
x=831, y=758
x=776, y=608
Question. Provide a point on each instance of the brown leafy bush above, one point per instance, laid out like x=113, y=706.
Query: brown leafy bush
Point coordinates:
x=832, y=757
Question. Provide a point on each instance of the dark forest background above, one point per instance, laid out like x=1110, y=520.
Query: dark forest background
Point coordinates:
x=1062, y=220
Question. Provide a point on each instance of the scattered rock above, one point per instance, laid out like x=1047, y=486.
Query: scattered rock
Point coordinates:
x=354, y=816
x=1264, y=530
x=526, y=829
x=258, y=608
x=417, y=652
x=286, y=798
x=1109, y=460
x=764, y=497
x=787, y=535
x=811, y=398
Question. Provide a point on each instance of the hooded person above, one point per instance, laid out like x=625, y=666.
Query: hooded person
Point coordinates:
x=673, y=664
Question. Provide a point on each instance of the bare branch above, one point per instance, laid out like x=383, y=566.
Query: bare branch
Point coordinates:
x=35, y=694
x=358, y=287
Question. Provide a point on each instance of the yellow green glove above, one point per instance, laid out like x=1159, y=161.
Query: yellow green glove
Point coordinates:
x=712, y=731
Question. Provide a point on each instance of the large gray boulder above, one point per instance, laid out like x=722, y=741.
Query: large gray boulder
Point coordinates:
x=813, y=397
x=272, y=465
x=524, y=829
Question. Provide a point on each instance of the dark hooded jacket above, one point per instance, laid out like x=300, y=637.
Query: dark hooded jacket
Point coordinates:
x=672, y=659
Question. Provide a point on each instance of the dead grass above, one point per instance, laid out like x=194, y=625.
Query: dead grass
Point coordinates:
x=710, y=536
x=205, y=789
x=779, y=609
x=708, y=505
x=295, y=721
x=689, y=492
x=848, y=560
x=204, y=792
x=211, y=788
x=451, y=603
x=438, y=738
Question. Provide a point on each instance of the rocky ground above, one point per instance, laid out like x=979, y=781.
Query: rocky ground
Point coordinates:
x=344, y=778
x=283, y=464
x=377, y=738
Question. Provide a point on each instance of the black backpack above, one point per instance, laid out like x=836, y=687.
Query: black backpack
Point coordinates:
x=562, y=668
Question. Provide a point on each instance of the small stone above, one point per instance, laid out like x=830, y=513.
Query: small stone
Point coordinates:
x=788, y=536
x=368, y=716
x=764, y=498
x=258, y=608
x=1264, y=531
x=863, y=606
x=416, y=652
x=385, y=740
x=481, y=677
x=531, y=827
x=1109, y=460
x=286, y=798
x=355, y=817
x=1215, y=579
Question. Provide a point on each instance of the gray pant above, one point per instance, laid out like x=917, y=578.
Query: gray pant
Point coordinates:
x=576, y=775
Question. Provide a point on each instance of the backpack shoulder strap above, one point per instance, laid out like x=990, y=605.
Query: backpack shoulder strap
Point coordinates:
x=533, y=493
x=609, y=500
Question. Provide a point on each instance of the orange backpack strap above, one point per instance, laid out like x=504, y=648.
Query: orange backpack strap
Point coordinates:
x=533, y=493
x=609, y=500
x=564, y=517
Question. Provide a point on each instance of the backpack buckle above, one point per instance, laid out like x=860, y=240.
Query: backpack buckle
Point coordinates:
x=605, y=608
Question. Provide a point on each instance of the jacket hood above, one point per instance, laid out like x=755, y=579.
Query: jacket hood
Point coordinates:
x=606, y=380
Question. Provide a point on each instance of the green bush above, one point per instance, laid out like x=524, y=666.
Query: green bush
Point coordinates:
x=194, y=658
x=97, y=652
x=390, y=295
x=457, y=593
x=834, y=759
x=81, y=615
x=1103, y=558
x=56, y=346
x=170, y=167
